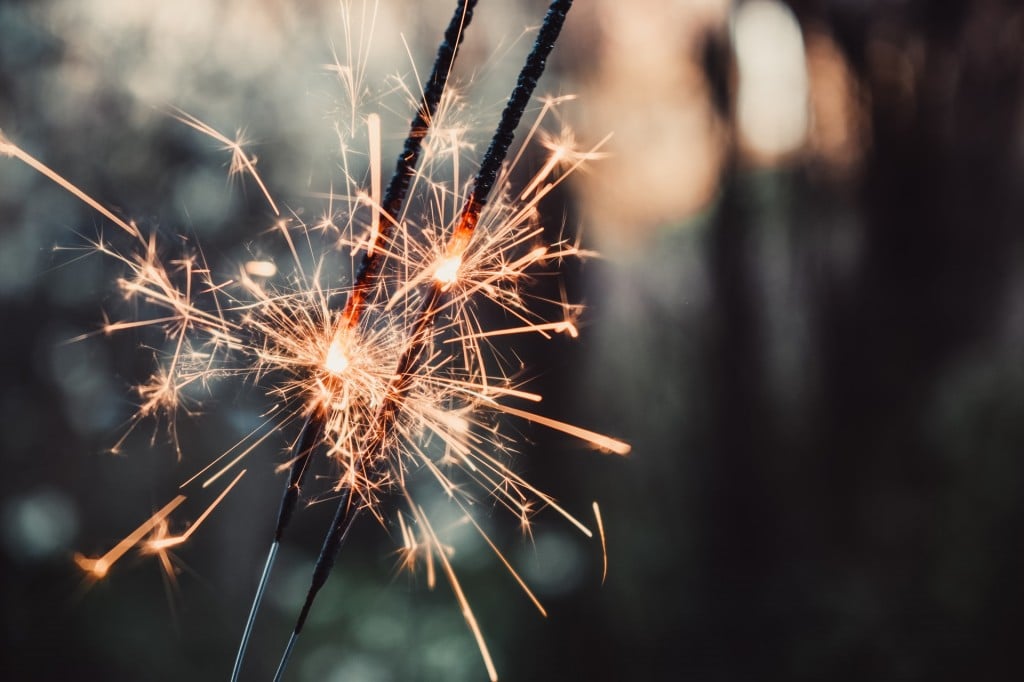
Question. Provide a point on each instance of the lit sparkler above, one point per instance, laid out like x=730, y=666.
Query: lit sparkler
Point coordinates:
x=406, y=369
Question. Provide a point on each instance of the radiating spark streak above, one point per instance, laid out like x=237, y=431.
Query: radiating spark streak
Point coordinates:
x=161, y=544
x=512, y=478
x=99, y=567
x=604, y=545
x=554, y=158
x=412, y=547
x=183, y=309
x=8, y=148
x=113, y=327
x=559, y=327
x=583, y=157
x=509, y=271
x=456, y=183
x=600, y=441
x=485, y=392
x=227, y=452
x=447, y=486
x=373, y=125
x=353, y=73
x=508, y=566
x=238, y=459
x=282, y=227
x=260, y=268
x=240, y=160
x=409, y=550
x=467, y=612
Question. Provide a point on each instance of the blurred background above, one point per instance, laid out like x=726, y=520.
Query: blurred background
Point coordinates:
x=808, y=321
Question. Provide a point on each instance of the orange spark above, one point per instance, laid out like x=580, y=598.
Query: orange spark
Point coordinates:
x=460, y=596
x=601, y=442
x=447, y=270
x=164, y=542
x=98, y=568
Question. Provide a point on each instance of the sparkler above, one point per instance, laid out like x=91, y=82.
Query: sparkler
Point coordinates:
x=406, y=368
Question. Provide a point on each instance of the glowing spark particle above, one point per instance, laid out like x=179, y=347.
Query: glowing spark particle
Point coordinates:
x=411, y=377
x=604, y=544
x=8, y=148
x=260, y=268
x=241, y=162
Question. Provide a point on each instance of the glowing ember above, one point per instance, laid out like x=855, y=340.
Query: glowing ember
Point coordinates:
x=405, y=381
x=260, y=268
x=336, y=361
x=447, y=271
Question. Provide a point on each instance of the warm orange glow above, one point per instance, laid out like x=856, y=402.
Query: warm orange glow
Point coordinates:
x=604, y=544
x=447, y=270
x=839, y=129
x=336, y=361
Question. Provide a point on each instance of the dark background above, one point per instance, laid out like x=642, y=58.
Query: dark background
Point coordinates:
x=815, y=349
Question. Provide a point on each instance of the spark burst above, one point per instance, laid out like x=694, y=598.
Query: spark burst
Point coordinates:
x=406, y=378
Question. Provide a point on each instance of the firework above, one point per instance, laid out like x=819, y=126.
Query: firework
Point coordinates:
x=392, y=376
